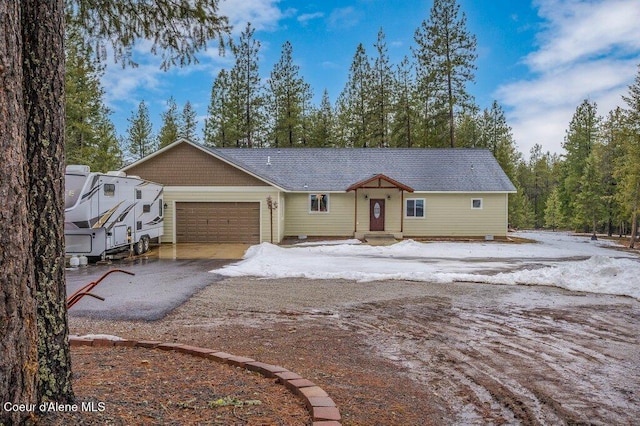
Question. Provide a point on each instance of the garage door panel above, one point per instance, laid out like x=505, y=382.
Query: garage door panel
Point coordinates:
x=223, y=222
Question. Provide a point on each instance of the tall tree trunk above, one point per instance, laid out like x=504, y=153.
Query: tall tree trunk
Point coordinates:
x=634, y=218
x=452, y=131
x=43, y=35
x=18, y=333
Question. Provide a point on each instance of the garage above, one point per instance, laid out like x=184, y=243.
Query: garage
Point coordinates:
x=218, y=222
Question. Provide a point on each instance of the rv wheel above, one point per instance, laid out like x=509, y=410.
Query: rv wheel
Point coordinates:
x=138, y=247
x=145, y=244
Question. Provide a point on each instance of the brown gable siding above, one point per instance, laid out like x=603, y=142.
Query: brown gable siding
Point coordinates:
x=186, y=165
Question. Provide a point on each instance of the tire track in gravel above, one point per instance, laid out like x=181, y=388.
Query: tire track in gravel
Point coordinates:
x=506, y=365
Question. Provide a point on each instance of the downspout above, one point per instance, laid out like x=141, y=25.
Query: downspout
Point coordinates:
x=355, y=219
x=402, y=212
x=506, y=233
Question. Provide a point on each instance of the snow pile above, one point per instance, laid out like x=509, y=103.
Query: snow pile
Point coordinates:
x=328, y=243
x=102, y=336
x=557, y=259
x=598, y=274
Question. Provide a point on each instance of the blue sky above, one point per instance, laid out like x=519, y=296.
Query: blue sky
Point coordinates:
x=539, y=59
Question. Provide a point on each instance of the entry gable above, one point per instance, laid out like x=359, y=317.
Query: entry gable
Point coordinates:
x=376, y=182
x=184, y=164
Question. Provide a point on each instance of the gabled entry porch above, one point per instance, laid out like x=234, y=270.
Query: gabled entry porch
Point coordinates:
x=379, y=207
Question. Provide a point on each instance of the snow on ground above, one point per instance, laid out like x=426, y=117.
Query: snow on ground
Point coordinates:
x=100, y=336
x=557, y=259
x=329, y=243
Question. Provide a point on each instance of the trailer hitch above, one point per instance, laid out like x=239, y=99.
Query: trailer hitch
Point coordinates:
x=86, y=289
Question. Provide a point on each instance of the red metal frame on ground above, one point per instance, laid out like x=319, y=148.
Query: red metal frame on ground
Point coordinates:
x=85, y=290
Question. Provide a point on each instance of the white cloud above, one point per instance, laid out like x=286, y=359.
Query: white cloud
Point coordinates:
x=344, y=17
x=120, y=84
x=331, y=65
x=580, y=30
x=306, y=17
x=587, y=50
x=263, y=14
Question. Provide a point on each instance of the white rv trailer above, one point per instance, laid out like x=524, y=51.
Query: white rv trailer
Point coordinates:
x=108, y=212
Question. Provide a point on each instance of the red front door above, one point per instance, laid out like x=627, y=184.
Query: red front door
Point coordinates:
x=376, y=215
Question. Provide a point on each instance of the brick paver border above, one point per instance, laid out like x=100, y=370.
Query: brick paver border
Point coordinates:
x=321, y=407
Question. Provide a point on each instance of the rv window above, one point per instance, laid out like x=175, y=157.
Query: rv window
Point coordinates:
x=73, y=188
x=160, y=205
x=109, y=189
x=138, y=194
x=146, y=208
x=138, y=225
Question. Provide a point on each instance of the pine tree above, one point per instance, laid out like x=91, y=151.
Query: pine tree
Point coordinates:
x=89, y=133
x=246, y=89
x=628, y=170
x=538, y=188
x=582, y=135
x=612, y=136
x=323, y=126
x=404, y=124
x=472, y=129
x=588, y=204
x=520, y=211
x=288, y=94
x=432, y=117
x=354, y=103
x=446, y=53
x=489, y=129
x=108, y=154
x=307, y=111
x=220, y=128
x=177, y=30
x=171, y=124
x=188, y=123
x=382, y=85
x=552, y=213
x=140, y=140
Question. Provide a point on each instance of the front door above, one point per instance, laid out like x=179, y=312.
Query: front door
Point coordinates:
x=376, y=215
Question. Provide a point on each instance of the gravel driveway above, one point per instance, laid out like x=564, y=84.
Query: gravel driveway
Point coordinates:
x=398, y=352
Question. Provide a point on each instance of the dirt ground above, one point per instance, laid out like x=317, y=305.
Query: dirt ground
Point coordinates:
x=398, y=352
x=133, y=386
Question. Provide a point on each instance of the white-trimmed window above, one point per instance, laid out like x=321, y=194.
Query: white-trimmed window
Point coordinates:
x=476, y=203
x=318, y=203
x=414, y=208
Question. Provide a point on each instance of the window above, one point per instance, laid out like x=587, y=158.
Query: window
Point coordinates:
x=109, y=189
x=146, y=208
x=138, y=194
x=476, y=203
x=160, y=206
x=414, y=207
x=319, y=203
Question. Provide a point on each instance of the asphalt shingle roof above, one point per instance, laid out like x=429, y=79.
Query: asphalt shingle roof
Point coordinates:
x=335, y=169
